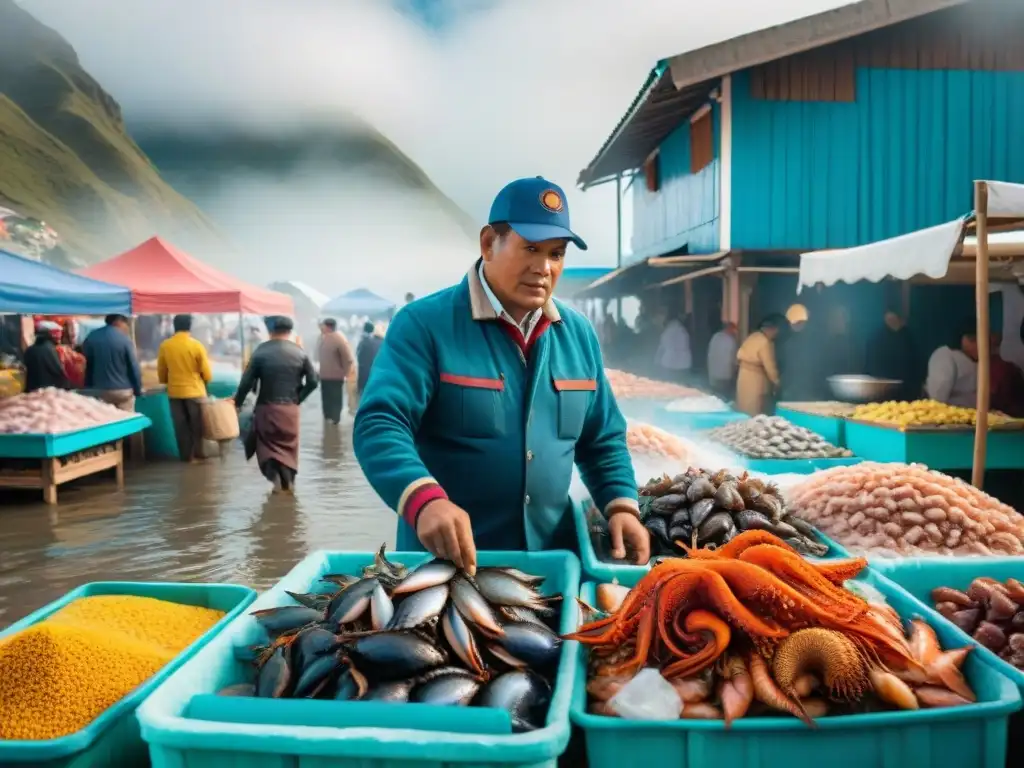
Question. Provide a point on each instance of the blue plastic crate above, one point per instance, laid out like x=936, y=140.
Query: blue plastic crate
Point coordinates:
x=832, y=428
x=938, y=448
x=113, y=738
x=595, y=568
x=684, y=422
x=376, y=737
x=973, y=736
x=42, y=446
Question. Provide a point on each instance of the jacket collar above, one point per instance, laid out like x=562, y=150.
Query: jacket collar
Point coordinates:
x=481, y=305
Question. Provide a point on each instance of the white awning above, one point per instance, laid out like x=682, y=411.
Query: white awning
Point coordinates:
x=925, y=252
x=1005, y=200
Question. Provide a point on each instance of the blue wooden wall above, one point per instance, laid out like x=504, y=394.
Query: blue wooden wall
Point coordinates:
x=684, y=211
x=810, y=175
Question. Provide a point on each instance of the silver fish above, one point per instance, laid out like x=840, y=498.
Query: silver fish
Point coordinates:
x=395, y=655
x=523, y=695
x=501, y=589
x=352, y=602
x=474, y=607
x=427, y=575
x=461, y=639
x=381, y=608
x=419, y=608
x=537, y=647
x=397, y=691
x=447, y=687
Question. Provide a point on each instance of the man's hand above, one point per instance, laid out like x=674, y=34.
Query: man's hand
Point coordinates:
x=444, y=529
x=628, y=533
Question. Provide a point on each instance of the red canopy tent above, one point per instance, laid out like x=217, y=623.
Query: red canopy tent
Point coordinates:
x=164, y=281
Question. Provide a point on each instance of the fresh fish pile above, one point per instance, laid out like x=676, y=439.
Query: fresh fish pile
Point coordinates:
x=773, y=437
x=433, y=635
x=705, y=509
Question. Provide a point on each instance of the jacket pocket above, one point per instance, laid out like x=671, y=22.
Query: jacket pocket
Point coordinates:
x=574, y=397
x=474, y=404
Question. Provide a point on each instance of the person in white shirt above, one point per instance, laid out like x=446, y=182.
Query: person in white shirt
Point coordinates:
x=722, y=351
x=674, y=358
x=953, y=373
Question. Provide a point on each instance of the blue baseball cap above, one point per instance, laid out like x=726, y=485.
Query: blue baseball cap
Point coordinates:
x=536, y=209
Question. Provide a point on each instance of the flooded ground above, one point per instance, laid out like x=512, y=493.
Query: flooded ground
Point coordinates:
x=215, y=521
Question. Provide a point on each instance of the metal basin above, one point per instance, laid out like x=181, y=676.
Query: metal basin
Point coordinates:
x=854, y=388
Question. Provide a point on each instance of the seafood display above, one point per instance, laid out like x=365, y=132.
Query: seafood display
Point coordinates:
x=50, y=411
x=699, y=404
x=432, y=635
x=60, y=674
x=773, y=437
x=924, y=413
x=830, y=408
x=752, y=628
x=627, y=386
x=900, y=509
x=645, y=440
x=707, y=509
x=992, y=612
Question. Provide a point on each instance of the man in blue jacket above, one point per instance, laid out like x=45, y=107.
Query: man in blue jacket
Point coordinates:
x=484, y=394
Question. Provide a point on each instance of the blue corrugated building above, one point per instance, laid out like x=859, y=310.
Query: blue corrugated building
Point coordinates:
x=843, y=128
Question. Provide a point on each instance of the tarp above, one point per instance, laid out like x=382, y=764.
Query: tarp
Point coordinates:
x=31, y=288
x=166, y=280
x=358, y=302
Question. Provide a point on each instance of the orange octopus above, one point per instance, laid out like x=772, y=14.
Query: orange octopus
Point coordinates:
x=683, y=613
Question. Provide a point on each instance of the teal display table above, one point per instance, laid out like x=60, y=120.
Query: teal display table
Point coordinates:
x=832, y=428
x=936, y=447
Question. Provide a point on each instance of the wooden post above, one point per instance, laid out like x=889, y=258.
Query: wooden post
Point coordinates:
x=981, y=301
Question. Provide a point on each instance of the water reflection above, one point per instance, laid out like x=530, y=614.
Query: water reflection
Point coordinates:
x=215, y=521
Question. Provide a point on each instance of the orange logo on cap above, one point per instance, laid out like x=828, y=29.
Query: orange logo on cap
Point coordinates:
x=552, y=201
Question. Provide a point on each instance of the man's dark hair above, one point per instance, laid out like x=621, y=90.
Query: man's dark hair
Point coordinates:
x=112, y=319
x=182, y=323
x=330, y=324
x=368, y=327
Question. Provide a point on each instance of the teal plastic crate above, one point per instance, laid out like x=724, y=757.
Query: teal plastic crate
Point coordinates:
x=112, y=740
x=42, y=446
x=683, y=422
x=938, y=448
x=599, y=570
x=957, y=737
x=832, y=428
x=372, y=737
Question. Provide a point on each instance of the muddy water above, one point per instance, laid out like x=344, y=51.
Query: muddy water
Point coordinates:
x=215, y=521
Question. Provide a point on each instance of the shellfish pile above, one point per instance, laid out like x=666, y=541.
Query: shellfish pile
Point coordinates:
x=432, y=635
x=709, y=508
x=627, y=386
x=753, y=629
x=773, y=437
x=992, y=612
x=896, y=509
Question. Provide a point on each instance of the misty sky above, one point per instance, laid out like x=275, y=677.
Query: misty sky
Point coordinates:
x=478, y=92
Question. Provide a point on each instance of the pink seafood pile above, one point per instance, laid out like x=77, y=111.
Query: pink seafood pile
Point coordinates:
x=627, y=386
x=49, y=411
x=896, y=509
x=645, y=440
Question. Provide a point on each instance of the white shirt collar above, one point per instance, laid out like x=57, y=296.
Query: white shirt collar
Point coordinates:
x=529, y=322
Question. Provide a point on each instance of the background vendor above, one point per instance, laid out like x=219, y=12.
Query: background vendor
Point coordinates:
x=484, y=395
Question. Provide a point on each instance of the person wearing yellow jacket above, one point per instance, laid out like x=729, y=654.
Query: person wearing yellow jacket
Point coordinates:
x=182, y=364
x=758, y=374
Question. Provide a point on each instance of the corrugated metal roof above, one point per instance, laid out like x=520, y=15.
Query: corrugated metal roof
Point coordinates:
x=676, y=87
x=659, y=107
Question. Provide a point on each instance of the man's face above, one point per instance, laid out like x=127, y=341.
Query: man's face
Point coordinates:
x=521, y=273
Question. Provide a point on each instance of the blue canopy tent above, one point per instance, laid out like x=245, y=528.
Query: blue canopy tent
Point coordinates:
x=30, y=288
x=357, y=302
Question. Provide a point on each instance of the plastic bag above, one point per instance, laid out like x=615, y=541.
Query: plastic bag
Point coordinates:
x=648, y=696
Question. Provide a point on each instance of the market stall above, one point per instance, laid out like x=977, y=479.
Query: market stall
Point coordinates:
x=938, y=253
x=165, y=280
